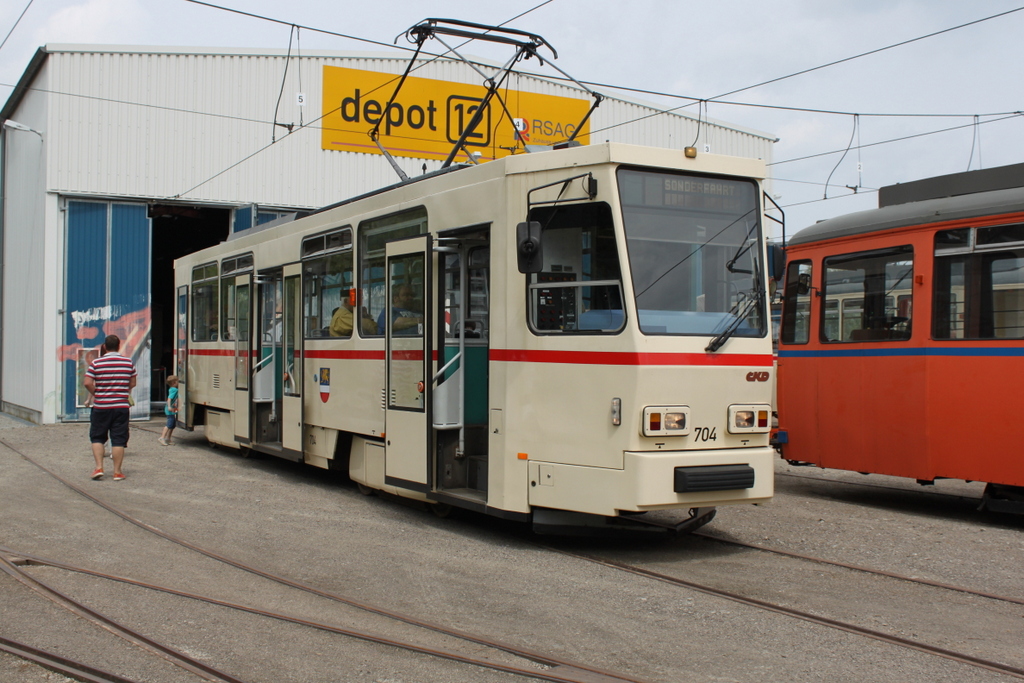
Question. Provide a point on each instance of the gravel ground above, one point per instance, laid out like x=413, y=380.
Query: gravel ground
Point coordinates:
x=478, y=574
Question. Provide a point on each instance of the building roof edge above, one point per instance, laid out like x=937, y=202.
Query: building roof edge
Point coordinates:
x=35, y=65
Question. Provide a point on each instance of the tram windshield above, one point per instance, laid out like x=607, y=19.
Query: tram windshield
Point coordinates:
x=694, y=253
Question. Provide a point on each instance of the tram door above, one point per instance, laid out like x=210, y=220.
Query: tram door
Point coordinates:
x=265, y=388
x=239, y=328
x=408, y=366
x=181, y=361
x=275, y=398
x=291, y=376
x=460, y=398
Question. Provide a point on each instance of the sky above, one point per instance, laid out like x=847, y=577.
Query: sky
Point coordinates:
x=844, y=130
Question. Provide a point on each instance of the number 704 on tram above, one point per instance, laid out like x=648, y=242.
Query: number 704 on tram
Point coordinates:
x=568, y=338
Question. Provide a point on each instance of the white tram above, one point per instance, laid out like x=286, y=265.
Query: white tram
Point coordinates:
x=569, y=337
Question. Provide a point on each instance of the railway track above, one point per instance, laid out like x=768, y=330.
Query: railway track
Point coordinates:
x=557, y=671
x=804, y=615
x=540, y=666
x=9, y=564
x=862, y=569
x=62, y=665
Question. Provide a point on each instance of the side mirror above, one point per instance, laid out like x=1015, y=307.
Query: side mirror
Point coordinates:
x=776, y=262
x=528, y=247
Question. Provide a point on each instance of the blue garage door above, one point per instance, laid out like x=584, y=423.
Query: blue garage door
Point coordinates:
x=108, y=284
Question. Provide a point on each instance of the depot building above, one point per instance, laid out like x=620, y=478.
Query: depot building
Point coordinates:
x=116, y=160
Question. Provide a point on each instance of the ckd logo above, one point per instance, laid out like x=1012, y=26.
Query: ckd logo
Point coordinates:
x=757, y=376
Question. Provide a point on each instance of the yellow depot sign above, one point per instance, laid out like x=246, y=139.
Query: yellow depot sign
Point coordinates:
x=429, y=116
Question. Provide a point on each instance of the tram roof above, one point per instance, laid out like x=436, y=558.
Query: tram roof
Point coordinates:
x=461, y=175
x=914, y=213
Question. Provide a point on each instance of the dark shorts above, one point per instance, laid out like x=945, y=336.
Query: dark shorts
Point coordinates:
x=172, y=421
x=109, y=421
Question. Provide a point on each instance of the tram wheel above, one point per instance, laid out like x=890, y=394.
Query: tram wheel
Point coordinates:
x=364, y=489
x=441, y=510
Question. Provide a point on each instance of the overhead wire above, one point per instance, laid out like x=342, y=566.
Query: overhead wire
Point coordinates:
x=817, y=68
x=717, y=99
x=975, y=137
x=899, y=139
x=98, y=98
x=702, y=102
x=856, y=122
x=16, y=22
x=871, y=52
x=289, y=23
x=597, y=84
x=873, y=144
x=298, y=53
x=325, y=114
x=692, y=99
x=284, y=78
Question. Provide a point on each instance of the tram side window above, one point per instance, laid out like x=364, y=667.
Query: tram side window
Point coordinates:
x=230, y=269
x=476, y=317
x=796, y=307
x=867, y=296
x=949, y=315
x=204, y=303
x=327, y=285
x=579, y=289
x=979, y=295
x=292, y=360
x=373, y=236
x=227, y=309
x=1002, y=306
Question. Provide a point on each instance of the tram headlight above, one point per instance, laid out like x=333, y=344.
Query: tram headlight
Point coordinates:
x=674, y=421
x=749, y=419
x=665, y=421
x=744, y=419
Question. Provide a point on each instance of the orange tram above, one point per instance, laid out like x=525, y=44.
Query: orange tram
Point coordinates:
x=901, y=344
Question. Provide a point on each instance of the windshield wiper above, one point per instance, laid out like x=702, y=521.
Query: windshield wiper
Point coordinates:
x=742, y=249
x=749, y=301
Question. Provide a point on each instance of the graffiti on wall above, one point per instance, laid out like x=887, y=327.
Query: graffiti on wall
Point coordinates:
x=91, y=327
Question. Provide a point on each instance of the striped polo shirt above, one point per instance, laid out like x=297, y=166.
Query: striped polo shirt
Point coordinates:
x=112, y=374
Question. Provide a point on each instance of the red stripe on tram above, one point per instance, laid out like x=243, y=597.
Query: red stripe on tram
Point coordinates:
x=630, y=358
x=346, y=354
x=536, y=356
x=211, y=352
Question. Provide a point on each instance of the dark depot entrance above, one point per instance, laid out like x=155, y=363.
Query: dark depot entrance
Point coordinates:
x=177, y=231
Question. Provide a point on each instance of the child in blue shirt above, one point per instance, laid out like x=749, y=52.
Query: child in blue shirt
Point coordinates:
x=171, y=411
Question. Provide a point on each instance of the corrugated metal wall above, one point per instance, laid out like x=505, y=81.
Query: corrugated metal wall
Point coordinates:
x=24, y=272
x=153, y=125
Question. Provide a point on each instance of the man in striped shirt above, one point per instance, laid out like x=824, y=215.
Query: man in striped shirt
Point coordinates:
x=110, y=378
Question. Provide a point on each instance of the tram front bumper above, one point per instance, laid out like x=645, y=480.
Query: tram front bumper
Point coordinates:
x=714, y=478
x=651, y=481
